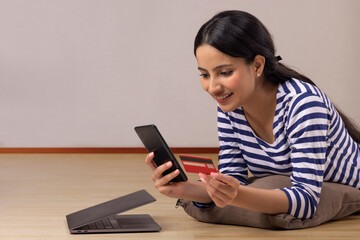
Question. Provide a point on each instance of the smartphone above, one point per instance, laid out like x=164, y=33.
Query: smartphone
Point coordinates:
x=154, y=142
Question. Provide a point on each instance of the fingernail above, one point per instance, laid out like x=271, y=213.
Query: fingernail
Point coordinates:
x=169, y=164
x=202, y=177
x=214, y=174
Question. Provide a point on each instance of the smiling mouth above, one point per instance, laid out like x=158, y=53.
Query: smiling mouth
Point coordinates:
x=223, y=97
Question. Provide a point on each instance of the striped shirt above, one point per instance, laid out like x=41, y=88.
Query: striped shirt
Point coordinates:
x=311, y=146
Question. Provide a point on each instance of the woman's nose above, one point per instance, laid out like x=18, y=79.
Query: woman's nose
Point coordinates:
x=214, y=86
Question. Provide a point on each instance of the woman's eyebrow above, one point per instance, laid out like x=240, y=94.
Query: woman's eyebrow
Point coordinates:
x=217, y=67
x=202, y=69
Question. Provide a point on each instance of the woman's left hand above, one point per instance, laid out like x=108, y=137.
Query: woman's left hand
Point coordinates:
x=222, y=189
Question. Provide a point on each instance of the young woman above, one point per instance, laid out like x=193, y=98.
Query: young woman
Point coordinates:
x=271, y=120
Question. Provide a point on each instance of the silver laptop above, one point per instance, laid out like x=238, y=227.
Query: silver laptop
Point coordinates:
x=104, y=218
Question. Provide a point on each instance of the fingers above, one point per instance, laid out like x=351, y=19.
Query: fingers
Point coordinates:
x=214, y=185
x=158, y=172
x=165, y=180
x=157, y=176
x=162, y=182
x=149, y=161
x=222, y=182
x=224, y=178
x=221, y=188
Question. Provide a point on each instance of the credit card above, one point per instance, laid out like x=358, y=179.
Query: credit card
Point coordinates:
x=193, y=164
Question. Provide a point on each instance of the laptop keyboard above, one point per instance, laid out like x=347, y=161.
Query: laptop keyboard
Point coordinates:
x=107, y=223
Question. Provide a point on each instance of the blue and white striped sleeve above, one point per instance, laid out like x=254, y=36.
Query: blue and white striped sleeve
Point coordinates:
x=231, y=161
x=308, y=123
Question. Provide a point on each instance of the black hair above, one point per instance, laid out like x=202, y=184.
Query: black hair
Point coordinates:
x=241, y=35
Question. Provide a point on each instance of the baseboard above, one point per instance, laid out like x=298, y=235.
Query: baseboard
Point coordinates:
x=102, y=150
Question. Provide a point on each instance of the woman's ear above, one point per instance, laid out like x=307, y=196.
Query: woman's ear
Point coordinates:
x=259, y=64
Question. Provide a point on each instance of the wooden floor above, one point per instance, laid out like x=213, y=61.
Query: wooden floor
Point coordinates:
x=37, y=191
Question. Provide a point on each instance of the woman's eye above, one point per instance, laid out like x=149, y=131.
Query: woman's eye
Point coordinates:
x=204, y=75
x=226, y=73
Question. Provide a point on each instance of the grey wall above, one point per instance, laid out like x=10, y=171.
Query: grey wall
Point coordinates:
x=83, y=73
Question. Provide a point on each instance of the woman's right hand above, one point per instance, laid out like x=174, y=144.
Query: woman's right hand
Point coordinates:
x=162, y=183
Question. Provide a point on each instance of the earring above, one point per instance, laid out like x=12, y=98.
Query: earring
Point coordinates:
x=258, y=74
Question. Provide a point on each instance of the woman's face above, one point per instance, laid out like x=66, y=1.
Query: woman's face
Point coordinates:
x=230, y=81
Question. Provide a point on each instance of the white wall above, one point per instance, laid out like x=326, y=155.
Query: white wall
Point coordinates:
x=83, y=73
